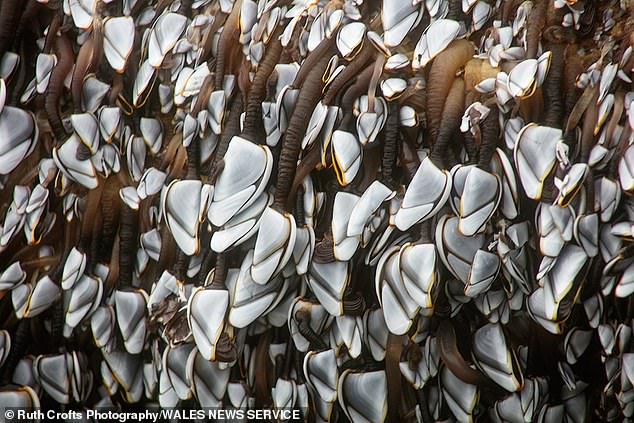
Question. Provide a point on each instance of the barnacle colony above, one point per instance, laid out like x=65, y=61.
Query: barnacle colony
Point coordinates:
x=365, y=210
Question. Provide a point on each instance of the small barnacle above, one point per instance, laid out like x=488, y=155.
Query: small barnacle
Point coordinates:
x=195, y=194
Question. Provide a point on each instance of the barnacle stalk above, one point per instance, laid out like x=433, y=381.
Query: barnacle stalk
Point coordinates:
x=372, y=211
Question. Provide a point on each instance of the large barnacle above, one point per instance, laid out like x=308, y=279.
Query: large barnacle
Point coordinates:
x=363, y=210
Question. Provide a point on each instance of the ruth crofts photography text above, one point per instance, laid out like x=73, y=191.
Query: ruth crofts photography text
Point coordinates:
x=154, y=415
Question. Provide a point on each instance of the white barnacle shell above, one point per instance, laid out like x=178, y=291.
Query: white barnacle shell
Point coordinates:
x=399, y=308
x=184, y=204
x=118, y=39
x=273, y=245
x=131, y=311
x=398, y=19
x=206, y=311
x=425, y=195
x=535, y=156
x=165, y=33
x=434, y=40
x=247, y=168
x=18, y=137
x=363, y=395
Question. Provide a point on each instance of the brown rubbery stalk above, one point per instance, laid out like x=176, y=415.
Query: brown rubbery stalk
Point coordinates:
x=310, y=63
x=228, y=41
x=230, y=129
x=128, y=235
x=390, y=146
x=490, y=136
x=450, y=355
x=110, y=211
x=313, y=157
x=393, y=351
x=440, y=81
x=534, y=25
x=10, y=12
x=257, y=93
x=88, y=60
x=350, y=71
x=309, y=95
x=552, y=88
x=64, y=52
x=452, y=115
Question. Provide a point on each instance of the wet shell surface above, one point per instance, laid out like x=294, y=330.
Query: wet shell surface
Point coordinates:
x=367, y=211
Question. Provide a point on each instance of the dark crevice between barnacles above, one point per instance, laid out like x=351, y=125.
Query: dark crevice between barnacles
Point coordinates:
x=10, y=13
x=425, y=232
x=24, y=42
x=393, y=352
x=423, y=406
x=408, y=157
x=324, y=248
x=452, y=358
x=302, y=317
x=128, y=235
x=353, y=301
x=509, y=9
x=19, y=345
x=284, y=363
x=92, y=254
x=364, y=361
x=207, y=264
x=588, y=18
x=226, y=349
x=185, y=7
x=193, y=159
x=263, y=370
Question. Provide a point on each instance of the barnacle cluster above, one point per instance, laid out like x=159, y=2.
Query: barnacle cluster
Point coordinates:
x=370, y=210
